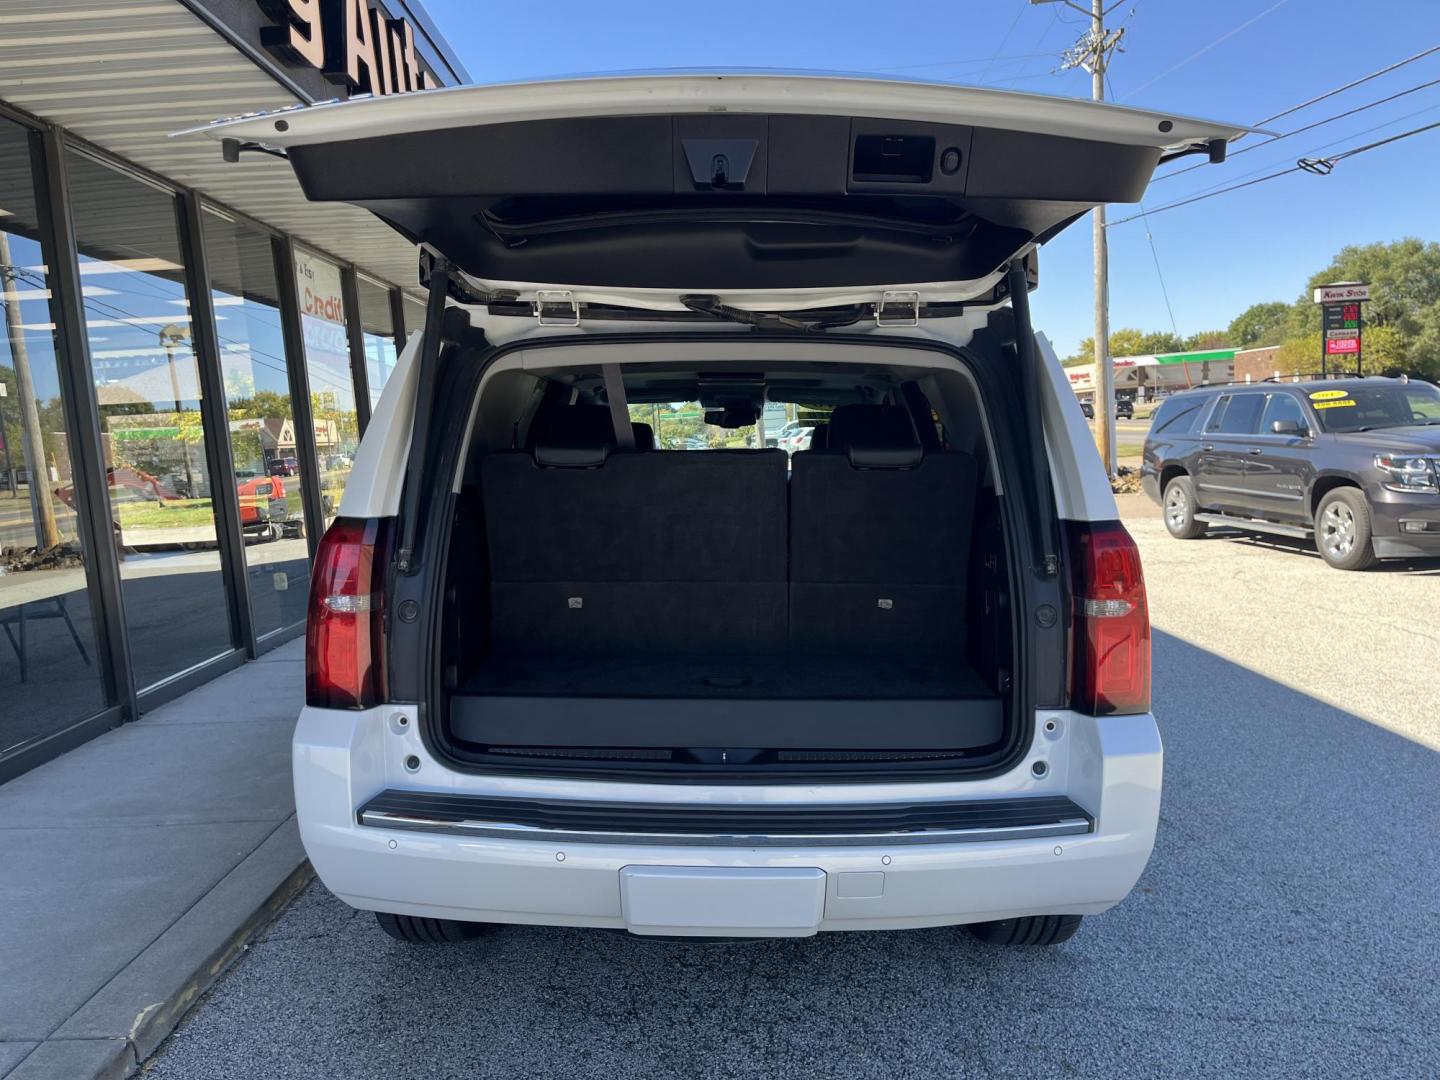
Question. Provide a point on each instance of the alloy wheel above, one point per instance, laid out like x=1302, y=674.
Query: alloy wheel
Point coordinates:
x=1337, y=529
x=1176, y=506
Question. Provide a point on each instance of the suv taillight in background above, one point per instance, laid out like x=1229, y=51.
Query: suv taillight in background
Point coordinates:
x=345, y=626
x=1110, y=628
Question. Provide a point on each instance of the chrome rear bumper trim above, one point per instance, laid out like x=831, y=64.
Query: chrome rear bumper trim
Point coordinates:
x=382, y=819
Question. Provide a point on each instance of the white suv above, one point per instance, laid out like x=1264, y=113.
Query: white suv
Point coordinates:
x=559, y=676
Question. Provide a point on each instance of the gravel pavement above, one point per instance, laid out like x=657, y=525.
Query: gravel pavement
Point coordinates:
x=1287, y=926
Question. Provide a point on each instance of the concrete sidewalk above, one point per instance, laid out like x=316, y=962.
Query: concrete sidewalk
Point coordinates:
x=133, y=869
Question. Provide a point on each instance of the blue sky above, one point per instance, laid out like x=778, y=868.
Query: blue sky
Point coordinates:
x=1218, y=256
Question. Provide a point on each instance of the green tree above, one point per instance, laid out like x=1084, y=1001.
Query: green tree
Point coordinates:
x=1208, y=339
x=1260, y=325
x=1404, y=279
x=1128, y=341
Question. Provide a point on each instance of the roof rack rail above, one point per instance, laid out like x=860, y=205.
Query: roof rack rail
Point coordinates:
x=1295, y=376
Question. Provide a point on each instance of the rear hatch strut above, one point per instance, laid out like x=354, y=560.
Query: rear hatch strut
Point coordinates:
x=429, y=361
x=1046, y=541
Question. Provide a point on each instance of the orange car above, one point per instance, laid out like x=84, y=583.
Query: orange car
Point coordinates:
x=263, y=507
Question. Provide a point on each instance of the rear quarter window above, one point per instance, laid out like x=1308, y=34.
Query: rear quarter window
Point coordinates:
x=1242, y=417
x=1178, y=416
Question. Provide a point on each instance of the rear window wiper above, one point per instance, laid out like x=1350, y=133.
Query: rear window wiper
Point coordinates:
x=707, y=304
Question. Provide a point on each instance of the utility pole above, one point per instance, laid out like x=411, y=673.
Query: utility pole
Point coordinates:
x=42, y=504
x=1092, y=53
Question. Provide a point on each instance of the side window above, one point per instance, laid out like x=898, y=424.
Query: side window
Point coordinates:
x=1218, y=416
x=1282, y=407
x=1243, y=415
x=1177, y=416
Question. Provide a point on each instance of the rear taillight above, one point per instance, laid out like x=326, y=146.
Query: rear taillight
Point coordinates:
x=1110, y=628
x=345, y=628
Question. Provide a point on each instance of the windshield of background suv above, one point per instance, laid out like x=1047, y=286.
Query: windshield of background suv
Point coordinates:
x=1367, y=408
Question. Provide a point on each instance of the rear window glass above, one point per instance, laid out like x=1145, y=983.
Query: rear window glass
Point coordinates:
x=1177, y=416
x=1241, y=415
x=688, y=425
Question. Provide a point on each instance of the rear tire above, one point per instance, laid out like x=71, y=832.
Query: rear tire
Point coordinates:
x=1343, y=534
x=418, y=930
x=1178, y=509
x=1027, y=930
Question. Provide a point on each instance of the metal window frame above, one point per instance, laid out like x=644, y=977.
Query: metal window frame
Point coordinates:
x=355, y=335
x=221, y=472
x=397, y=319
x=293, y=333
x=94, y=517
x=113, y=678
x=215, y=421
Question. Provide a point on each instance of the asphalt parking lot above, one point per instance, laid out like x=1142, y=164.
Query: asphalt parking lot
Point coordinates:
x=1288, y=924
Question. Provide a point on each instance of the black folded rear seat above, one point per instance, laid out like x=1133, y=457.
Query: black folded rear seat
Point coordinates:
x=879, y=539
x=597, y=551
x=642, y=599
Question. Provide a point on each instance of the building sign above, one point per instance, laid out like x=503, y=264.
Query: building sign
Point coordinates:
x=1340, y=320
x=1335, y=294
x=349, y=42
x=322, y=324
x=318, y=283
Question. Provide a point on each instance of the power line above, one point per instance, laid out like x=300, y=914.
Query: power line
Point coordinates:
x=1150, y=237
x=1013, y=23
x=1202, y=51
x=1307, y=127
x=1326, y=145
x=1350, y=85
x=1319, y=166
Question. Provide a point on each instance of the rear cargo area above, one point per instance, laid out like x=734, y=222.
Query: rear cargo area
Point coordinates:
x=727, y=605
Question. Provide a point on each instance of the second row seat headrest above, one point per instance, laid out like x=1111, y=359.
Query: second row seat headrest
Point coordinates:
x=874, y=436
x=579, y=436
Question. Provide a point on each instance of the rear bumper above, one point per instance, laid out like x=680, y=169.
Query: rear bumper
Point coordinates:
x=1109, y=766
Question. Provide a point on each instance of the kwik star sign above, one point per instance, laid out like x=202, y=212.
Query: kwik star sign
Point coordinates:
x=1341, y=317
x=349, y=42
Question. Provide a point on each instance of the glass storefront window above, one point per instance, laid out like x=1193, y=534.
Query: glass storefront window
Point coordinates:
x=137, y=318
x=268, y=473
x=378, y=333
x=323, y=319
x=49, y=667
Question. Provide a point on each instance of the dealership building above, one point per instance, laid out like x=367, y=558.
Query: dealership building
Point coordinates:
x=191, y=350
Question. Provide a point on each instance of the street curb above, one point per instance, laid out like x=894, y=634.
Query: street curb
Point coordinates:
x=113, y=1033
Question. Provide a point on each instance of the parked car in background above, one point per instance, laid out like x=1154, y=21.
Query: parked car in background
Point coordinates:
x=1348, y=464
x=1087, y=409
x=797, y=439
x=284, y=466
x=264, y=510
x=556, y=678
x=1124, y=409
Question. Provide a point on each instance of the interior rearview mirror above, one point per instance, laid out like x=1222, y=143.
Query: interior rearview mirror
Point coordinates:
x=1286, y=427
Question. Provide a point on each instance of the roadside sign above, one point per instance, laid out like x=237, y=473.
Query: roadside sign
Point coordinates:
x=1349, y=290
x=1341, y=322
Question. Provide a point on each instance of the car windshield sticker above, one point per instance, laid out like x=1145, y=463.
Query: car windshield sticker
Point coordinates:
x=1346, y=404
x=1329, y=395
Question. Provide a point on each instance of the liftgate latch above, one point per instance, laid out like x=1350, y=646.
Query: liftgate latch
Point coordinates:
x=898, y=309
x=556, y=307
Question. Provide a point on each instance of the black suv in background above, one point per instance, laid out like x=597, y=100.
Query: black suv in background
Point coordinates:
x=1351, y=463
